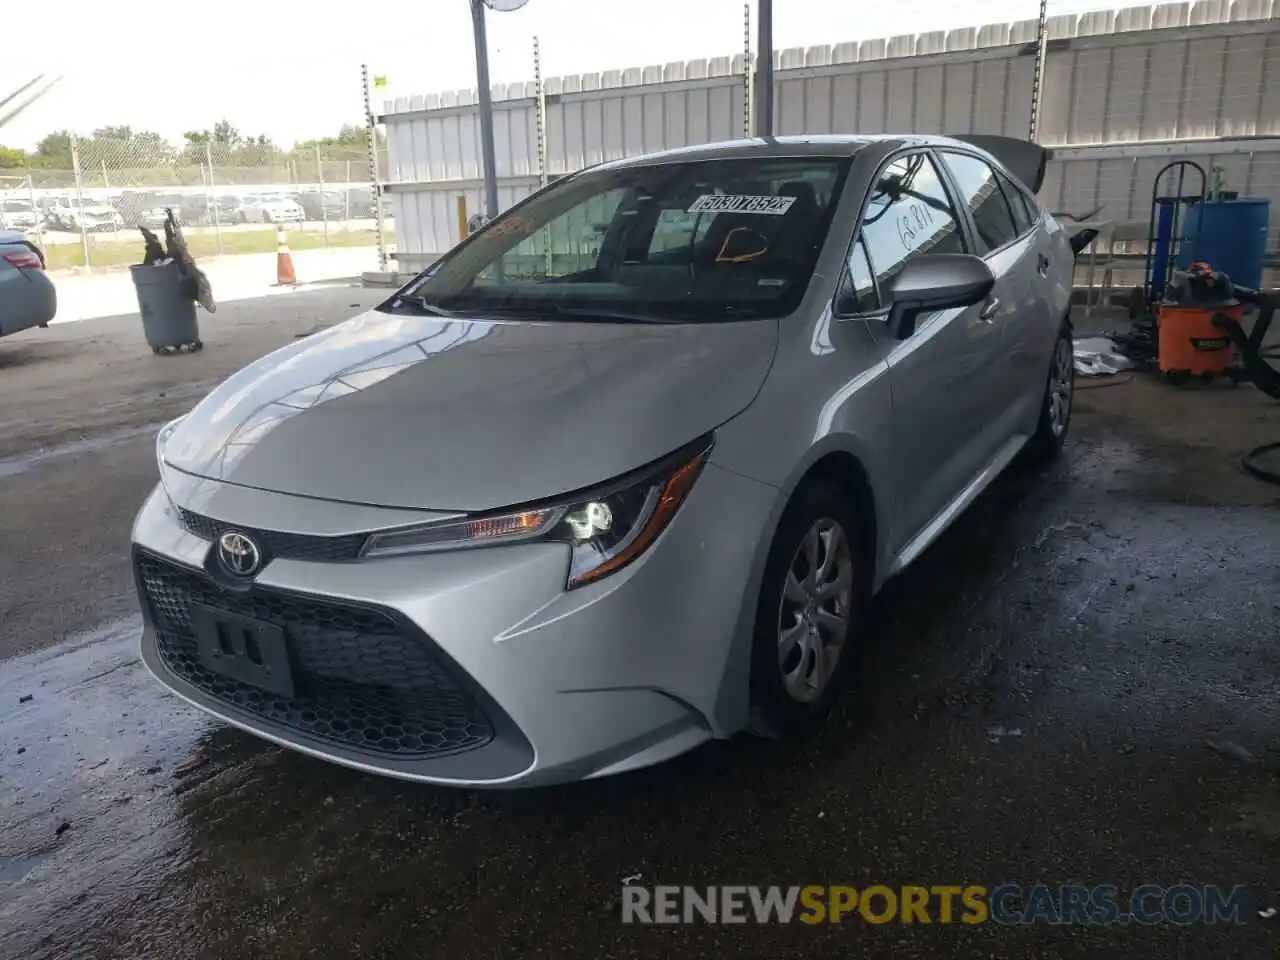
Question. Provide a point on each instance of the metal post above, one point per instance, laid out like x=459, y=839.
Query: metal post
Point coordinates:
x=748, y=74
x=106, y=185
x=541, y=114
x=764, y=69
x=541, y=107
x=213, y=191
x=324, y=209
x=374, y=176
x=39, y=214
x=75, y=165
x=1037, y=76
x=486, y=110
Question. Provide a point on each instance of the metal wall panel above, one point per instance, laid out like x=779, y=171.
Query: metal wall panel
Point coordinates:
x=1145, y=73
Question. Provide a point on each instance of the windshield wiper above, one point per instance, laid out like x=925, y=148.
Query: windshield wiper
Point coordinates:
x=551, y=310
x=618, y=316
x=425, y=305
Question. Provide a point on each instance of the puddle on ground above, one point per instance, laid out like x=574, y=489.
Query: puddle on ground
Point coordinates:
x=89, y=821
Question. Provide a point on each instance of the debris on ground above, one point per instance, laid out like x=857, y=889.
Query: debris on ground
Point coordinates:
x=997, y=733
x=1230, y=750
x=1099, y=357
x=63, y=827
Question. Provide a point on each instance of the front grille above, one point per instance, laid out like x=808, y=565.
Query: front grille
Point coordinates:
x=361, y=680
x=286, y=546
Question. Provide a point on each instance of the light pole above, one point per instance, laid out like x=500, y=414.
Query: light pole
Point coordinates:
x=485, y=97
x=764, y=68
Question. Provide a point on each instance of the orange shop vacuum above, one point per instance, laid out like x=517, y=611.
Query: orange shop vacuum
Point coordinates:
x=1189, y=343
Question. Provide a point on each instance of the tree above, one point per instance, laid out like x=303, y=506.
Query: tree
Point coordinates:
x=225, y=134
x=54, y=150
x=11, y=159
x=113, y=133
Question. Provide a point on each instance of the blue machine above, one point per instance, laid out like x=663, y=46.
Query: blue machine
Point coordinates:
x=1230, y=235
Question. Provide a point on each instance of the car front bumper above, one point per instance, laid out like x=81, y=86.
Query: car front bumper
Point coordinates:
x=475, y=667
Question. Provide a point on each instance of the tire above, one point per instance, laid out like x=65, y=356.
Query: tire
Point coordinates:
x=1053, y=426
x=776, y=711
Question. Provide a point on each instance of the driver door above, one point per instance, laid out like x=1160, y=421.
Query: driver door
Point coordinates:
x=940, y=376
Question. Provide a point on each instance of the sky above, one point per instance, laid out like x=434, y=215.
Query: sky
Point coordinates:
x=292, y=70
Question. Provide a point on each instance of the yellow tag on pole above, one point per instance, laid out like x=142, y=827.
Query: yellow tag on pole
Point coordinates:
x=379, y=81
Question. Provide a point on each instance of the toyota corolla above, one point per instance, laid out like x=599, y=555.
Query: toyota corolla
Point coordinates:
x=616, y=475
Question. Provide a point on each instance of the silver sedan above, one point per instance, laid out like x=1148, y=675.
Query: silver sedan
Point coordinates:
x=618, y=474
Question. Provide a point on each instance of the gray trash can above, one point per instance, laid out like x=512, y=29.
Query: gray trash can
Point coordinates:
x=168, y=316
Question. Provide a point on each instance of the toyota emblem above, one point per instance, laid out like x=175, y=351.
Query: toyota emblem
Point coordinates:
x=238, y=554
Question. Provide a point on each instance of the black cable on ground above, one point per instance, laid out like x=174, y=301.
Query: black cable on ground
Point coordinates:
x=1100, y=384
x=1249, y=462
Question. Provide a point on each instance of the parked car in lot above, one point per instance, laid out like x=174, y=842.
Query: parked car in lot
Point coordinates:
x=551, y=513
x=153, y=206
x=270, y=208
x=67, y=213
x=324, y=204
x=27, y=295
x=20, y=215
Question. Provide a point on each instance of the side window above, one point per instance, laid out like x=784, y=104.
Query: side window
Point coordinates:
x=908, y=215
x=1024, y=215
x=981, y=193
x=861, y=279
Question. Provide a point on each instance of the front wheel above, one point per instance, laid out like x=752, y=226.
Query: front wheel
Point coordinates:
x=810, y=595
x=1059, y=398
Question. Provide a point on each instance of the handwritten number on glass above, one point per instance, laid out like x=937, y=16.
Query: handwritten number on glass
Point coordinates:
x=913, y=223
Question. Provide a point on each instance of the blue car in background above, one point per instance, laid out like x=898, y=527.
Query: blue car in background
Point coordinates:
x=27, y=295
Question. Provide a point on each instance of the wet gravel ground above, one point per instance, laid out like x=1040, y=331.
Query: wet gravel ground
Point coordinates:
x=1078, y=684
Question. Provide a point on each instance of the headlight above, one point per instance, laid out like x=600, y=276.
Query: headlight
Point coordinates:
x=606, y=528
x=161, y=439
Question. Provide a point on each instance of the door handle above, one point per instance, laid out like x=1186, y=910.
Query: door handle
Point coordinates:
x=989, y=310
x=1043, y=265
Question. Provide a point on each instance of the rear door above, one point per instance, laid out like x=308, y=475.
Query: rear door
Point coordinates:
x=1008, y=245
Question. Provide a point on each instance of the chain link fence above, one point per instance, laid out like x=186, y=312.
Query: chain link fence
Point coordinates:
x=85, y=202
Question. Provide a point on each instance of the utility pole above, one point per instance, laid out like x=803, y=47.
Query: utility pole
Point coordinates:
x=764, y=68
x=486, y=110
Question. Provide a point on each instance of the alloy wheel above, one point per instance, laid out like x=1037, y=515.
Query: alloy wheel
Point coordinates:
x=813, y=619
x=1061, y=386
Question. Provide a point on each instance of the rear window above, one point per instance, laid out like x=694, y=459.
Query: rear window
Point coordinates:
x=709, y=239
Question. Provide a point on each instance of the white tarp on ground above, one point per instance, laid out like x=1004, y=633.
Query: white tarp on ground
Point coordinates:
x=1099, y=357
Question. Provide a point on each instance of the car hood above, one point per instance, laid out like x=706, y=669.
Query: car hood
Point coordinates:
x=469, y=414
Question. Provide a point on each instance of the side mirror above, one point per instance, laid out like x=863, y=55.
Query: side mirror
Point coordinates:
x=939, y=281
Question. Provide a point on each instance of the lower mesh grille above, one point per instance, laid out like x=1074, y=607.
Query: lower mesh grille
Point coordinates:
x=361, y=679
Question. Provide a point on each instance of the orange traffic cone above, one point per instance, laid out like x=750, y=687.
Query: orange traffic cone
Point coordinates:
x=285, y=277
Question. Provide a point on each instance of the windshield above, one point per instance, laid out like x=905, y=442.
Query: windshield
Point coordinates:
x=694, y=240
x=16, y=206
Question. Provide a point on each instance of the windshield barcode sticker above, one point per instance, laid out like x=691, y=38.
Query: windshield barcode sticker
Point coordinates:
x=730, y=203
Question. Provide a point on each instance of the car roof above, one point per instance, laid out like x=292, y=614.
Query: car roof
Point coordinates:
x=819, y=145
